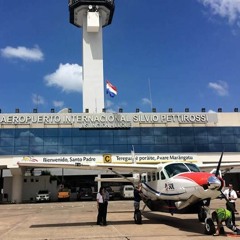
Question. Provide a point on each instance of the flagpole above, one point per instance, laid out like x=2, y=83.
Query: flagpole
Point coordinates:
x=133, y=154
x=95, y=105
x=104, y=95
x=150, y=94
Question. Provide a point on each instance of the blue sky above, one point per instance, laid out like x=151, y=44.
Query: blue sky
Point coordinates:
x=158, y=53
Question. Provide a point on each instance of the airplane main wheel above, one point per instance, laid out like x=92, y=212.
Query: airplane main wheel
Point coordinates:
x=202, y=215
x=209, y=227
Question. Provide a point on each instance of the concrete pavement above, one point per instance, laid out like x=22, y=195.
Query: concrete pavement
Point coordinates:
x=77, y=220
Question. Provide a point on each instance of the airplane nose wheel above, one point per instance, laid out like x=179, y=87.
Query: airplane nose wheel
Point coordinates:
x=209, y=227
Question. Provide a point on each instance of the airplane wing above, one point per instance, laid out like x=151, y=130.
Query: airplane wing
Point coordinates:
x=133, y=168
x=115, y=179
x=122, y=167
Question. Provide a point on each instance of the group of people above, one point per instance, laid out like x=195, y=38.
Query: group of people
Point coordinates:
x=220, y=215
x=102, y=203
x=227, y=215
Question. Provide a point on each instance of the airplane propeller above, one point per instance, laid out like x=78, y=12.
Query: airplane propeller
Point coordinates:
x=217, y=175
x=219, y=165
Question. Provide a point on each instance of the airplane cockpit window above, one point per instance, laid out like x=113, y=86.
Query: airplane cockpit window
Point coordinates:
x=176, y=168
x=192, y=167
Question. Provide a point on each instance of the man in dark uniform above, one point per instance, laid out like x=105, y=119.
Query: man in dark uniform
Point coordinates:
x=137, y=199
x=105, y=200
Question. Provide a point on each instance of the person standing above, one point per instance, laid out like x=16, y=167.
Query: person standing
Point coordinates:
x=106, y=199
x=231, y=196
x=137, y=198
x=101, y=207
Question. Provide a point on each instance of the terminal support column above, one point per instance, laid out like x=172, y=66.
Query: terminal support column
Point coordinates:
x=17, y=183
x=99, y=181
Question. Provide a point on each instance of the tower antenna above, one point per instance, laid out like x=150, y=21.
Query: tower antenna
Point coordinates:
x=150, y=93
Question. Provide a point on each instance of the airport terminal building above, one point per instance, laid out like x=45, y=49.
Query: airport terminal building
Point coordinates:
x=110, y=137
x=98, y=136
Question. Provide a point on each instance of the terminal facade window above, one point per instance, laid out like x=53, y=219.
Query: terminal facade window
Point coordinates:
x=39, y=141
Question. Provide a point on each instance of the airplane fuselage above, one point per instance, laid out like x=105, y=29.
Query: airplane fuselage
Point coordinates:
x=177, y=188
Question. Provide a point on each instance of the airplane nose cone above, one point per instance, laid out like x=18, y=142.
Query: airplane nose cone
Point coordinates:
x=214, y=183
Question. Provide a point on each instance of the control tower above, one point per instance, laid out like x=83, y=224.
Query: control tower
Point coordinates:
x=92, y=16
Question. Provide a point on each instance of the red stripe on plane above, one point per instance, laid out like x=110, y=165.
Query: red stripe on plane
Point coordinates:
x=200, y=178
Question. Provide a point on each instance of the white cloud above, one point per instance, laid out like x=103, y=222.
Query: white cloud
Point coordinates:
x=220, y=88
x=37, y=99
x=108, y=103
x=23, y=53
x=229, y=9
x=68, y=77
x=110, y=110
x=146, y=101
x=211, y=111
x=113, y=107
x=110, y=106
x=58, y=104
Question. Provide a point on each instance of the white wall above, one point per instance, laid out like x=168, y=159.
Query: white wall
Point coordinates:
x=31, y=185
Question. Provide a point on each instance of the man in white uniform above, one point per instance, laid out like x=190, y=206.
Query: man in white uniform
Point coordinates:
x=231, y=195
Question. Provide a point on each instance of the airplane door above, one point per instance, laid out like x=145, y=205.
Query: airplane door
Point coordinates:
x=162, y=182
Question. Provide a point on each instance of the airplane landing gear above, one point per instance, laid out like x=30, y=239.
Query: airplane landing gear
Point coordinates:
x=202, y=214
x=209, y=227
x=204, y=210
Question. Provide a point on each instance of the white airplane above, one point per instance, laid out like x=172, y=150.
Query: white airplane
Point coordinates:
x=175, y=187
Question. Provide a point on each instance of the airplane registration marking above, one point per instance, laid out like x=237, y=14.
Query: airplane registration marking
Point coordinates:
x=161, y=193
x=169, y=186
